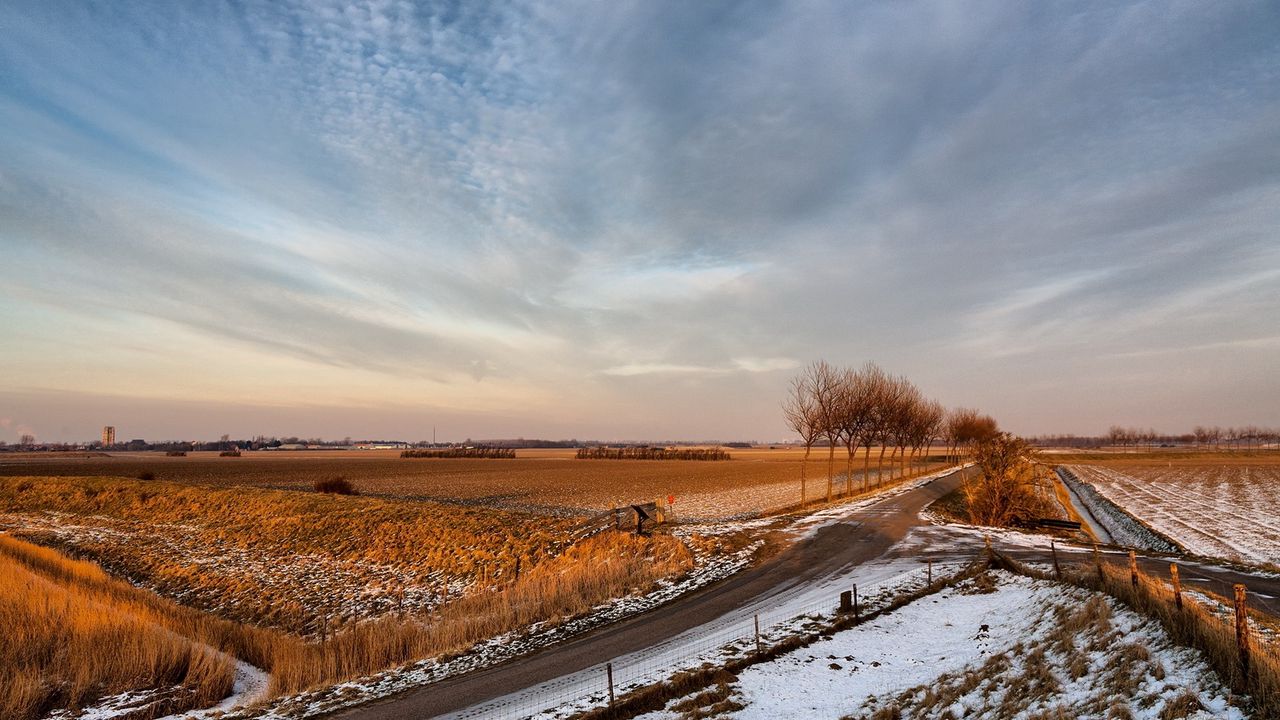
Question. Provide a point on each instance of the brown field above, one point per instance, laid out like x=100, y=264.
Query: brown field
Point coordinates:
x=1219, y=504
x=1152, y=457
x=546, y=481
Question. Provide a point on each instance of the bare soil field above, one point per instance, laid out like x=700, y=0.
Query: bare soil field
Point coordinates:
x=755, y=481
x=1213, y=504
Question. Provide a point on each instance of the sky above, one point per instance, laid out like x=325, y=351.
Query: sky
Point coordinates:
x=632, y=220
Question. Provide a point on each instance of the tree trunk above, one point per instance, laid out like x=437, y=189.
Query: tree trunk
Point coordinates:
x=866, y=468
x=804, y=464
x=848, y=469
x=831, y=467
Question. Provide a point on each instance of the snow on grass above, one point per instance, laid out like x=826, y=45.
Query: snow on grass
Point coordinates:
x=998, y=646
x=500, y=649
x=249, y=687
x=1211, y=510
x=1122, y=527
x=790, y=611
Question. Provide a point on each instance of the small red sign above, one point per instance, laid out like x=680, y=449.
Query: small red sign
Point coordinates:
x=671, y=499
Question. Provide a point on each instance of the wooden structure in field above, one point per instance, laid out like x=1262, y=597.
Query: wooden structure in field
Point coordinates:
x=644, y=515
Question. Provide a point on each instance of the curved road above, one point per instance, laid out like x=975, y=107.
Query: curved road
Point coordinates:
x=863, y=535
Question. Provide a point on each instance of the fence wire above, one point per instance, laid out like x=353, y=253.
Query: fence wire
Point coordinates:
x=589, y=688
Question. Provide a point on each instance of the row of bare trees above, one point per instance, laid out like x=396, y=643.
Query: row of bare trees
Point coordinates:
x=868, y=407
x=1244, y=437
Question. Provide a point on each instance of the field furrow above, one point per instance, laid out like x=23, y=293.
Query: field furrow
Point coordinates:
x=1214, y=510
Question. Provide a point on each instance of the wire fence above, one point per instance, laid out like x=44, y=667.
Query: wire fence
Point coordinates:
x=693, y=649
x=1220, y=618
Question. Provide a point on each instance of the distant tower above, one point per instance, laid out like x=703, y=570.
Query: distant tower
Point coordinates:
x=108, y=435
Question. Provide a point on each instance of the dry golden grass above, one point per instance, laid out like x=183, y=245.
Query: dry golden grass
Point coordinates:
x=600, y=568
x=69, y=634
x=588, y=573
x=283, y=559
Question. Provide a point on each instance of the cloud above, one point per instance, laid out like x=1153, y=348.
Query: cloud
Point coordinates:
x=661, y=369
x=541, y=195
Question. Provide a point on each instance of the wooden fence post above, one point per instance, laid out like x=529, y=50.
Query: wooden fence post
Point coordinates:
x=1097, y=561
x=930, y=572
x=608, y=668
x=855, y=601
x=1242, y=627
x=846, y=602
x=759, y=648
x=517, y=568
x=1133, y=569
x=1177, y=585
x=1053, y=548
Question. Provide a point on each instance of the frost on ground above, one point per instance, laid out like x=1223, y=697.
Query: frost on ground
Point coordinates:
x=1211, y=510
x=1124, y=530
x=997, y=646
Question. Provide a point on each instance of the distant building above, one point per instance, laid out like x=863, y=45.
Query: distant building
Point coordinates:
x=108, y=435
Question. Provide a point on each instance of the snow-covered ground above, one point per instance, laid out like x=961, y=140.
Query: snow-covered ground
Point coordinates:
x=1119, y=525
x=1226, y=511
x=785, y=613
x=1002, y=647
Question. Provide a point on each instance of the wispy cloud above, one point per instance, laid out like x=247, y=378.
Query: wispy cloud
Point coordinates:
x=521, y=204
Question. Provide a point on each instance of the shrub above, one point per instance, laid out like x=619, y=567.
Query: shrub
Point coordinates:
x=470, y=452
x=336, y=486
x=146, y=475
x=651, y=453
x=176, y=453
x=229, y=453
x=1005, y=491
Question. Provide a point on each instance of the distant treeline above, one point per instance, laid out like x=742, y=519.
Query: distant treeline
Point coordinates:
x=1245, y=437
x=462, y=452
x=651, y=453
x=529, y=443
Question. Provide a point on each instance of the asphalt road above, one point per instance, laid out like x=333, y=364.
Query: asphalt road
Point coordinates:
x=865, y=535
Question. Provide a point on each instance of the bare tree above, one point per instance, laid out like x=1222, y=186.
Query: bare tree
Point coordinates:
x=926, y=424
x=856, y=400
x=875, y=384
x=801, y=412
x=957, y=425
x=885, y=417
x=903, y=415
x=827, y=391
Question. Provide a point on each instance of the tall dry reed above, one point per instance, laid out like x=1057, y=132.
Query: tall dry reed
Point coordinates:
x=64, y=643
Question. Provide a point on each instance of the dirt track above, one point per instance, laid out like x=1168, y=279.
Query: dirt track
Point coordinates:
x=866, y=535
